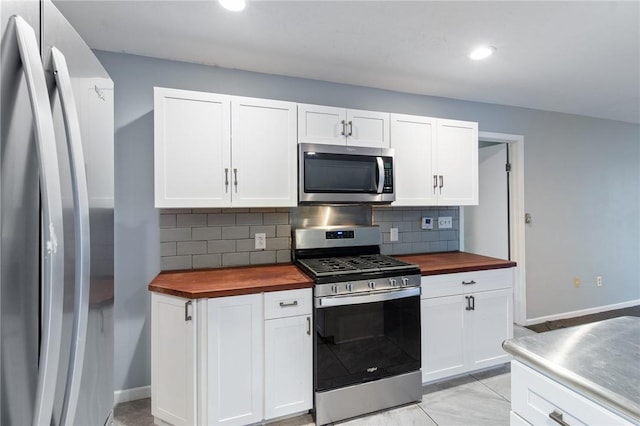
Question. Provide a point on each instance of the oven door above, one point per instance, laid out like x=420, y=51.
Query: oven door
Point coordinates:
x=363, y=338
x=342, y=174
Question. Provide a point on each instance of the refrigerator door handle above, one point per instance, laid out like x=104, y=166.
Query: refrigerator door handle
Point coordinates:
x=51, y=205
x=82, y=235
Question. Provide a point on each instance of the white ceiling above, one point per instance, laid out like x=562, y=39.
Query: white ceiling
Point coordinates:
x=568, y=56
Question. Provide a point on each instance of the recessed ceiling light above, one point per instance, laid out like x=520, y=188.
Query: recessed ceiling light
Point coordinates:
x=233, y=5
x=482, y=52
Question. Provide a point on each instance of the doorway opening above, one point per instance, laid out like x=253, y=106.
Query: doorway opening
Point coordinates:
x=496, y=227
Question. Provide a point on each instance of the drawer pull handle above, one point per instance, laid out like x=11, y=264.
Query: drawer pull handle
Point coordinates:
x=287, y=305
x=468, y=282
x=309, y=326
x=557, y=417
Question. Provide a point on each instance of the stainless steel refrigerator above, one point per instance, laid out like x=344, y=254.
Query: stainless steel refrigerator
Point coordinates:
x=56, y=203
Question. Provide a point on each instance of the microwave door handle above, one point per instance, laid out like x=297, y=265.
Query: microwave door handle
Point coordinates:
x=380, y=174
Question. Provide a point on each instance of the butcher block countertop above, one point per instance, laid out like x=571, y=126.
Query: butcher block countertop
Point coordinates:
x=451, y=262
x=257, y=279
x=230, y=281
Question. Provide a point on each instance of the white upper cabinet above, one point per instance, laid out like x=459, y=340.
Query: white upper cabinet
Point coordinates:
x=223, y=151
x=413, y=139
x=339, y=126
x=264, y=148
x=435, y=162
x=457, y=163
x=192, y=131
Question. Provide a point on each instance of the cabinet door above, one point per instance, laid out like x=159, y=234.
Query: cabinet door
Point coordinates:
x=413, y=139
x=457, y=162
x=321, y=124
x=264, y=153
x=488, y=325
x=288, y=366
x=443, y=344
x=191, y=148
x=173, y=360
x=235, y=354
x=368, y=128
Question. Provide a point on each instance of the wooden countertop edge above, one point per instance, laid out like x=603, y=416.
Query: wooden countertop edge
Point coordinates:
x=470, y=268
x=239, y=291
x=466, y=262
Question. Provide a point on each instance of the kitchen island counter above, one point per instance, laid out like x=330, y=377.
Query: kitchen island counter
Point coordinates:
x=452, y=262
x=599, y=360
x=230, y=281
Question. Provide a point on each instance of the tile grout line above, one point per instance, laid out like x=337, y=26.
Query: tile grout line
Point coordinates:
x=492, y=390
x=425, y=412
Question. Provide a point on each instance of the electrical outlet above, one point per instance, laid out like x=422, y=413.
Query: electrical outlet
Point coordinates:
x=576, y=282
x=261, y=240
x=445, y=222
x=599, y=281
x=394, y=234
x=427, y=223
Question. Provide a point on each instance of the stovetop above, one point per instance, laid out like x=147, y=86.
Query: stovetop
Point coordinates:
x=345, y=265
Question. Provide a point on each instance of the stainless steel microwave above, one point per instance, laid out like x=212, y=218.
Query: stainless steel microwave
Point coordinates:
x=341, y=174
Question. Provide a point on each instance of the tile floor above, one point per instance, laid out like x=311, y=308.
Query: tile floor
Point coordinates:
x=481, y=398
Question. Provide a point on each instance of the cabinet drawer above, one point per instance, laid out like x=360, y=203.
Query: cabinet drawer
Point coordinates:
x=288, y=303
x=466, y=282
x=534, y=396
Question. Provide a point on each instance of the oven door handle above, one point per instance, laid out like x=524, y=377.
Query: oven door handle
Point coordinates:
x=326, y=302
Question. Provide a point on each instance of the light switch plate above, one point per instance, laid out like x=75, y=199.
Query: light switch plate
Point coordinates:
x=445, y=222
x=427, y=223
x=261, y=240
x=394, y=234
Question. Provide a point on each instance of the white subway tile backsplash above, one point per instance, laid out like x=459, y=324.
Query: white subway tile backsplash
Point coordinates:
x=283, y=256
x=235, y=259
x=170, y=263
x=276, y=218
x=221, y=246
x=167, y=220
x=262, y=257
x=207, y=261
x=269, y=230
x=206, y=233
x=235, y=232
x=190, y=220
x=192, y=247
x=221, y=219
x=168, y=249
x=249, y=219
x=214, y=238
x=175, y=234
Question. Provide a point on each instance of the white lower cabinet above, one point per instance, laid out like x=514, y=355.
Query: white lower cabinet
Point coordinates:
x=173, y=359
x=465, y=317
x=538, y=400
x=231, y=360
x=235, y=359
x=288, y=366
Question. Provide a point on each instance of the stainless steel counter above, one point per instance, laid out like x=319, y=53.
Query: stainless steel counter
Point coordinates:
x=600, y=360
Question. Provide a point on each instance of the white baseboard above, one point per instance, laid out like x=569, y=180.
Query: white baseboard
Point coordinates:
x=582, y=312
x=126, y=395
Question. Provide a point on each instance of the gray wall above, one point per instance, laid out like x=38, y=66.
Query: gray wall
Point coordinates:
x=582, y=188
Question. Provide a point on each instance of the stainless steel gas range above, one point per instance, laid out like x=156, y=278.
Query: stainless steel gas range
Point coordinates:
x=367, y=321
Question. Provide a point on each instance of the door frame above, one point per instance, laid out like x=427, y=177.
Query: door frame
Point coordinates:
x=516, y=218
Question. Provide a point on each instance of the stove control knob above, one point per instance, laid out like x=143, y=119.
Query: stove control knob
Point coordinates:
x=349, y=287
x=405, y=281
x=334, y=288
x=372, y=285
x=393, y=282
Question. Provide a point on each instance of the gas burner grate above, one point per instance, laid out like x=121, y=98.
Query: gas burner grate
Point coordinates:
x=352, y=264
